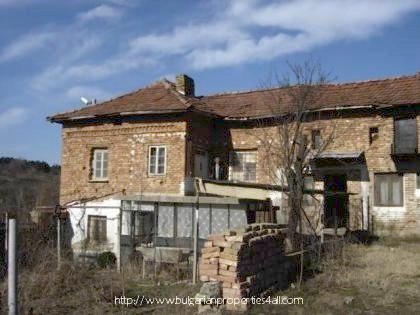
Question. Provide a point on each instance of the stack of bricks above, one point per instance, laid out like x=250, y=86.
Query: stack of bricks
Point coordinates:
x=247, y=261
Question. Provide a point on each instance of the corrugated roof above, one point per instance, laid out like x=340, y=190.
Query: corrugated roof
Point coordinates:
x=162, y=97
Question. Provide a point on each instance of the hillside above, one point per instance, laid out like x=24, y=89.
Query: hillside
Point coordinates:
x=26, y=184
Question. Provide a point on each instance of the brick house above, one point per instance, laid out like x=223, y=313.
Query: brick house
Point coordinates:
x=156, y=140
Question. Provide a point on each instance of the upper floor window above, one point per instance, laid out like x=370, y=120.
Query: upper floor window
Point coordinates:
x=157, y=160
x=100, y=164
x=308, y=184
x=389, y=190
x=373, y=134
x=418, y=180
x=243, y=166
x=405, y=135
x=316, y=139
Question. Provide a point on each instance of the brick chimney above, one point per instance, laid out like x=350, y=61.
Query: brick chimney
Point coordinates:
x=184, y=84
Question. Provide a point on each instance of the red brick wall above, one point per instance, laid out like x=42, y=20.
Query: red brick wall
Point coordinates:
x=128, y=145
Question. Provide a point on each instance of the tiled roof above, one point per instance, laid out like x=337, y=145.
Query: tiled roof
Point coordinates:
x=162, y=97
x=259, y=103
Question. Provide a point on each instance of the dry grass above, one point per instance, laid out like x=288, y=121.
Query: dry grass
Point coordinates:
x=383, y=278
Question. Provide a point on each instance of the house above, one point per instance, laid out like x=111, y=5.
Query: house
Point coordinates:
x=142, y=150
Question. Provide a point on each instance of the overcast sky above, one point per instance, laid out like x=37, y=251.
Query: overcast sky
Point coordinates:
x=52, y=52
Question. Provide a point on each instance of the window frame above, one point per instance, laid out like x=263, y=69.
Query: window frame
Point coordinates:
x=255, y=152
x=376, y=191
x=156, y=166
x=373, y=134
x=100, y=240
x=314, y=134
x=93, y=176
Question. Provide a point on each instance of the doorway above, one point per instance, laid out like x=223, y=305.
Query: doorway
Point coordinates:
x=335, y=201
x=201, y=164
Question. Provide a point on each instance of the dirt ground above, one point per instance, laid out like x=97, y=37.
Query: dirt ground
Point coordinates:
x=383, y=278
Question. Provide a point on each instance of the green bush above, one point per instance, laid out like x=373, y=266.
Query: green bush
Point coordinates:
x=106, y=260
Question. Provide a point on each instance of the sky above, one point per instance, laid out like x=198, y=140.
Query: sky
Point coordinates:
x=52, y=52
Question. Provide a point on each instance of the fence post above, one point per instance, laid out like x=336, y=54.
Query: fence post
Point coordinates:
x=12, y=269
x=195, y=245
x=58, y=242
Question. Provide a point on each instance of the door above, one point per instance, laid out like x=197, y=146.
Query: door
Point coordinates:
x=201, y=164
x=335, y=201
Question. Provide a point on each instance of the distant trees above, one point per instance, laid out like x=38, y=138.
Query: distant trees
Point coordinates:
x=27, y=184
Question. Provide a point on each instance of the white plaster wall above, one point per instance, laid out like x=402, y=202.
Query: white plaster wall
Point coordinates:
x=79, y=213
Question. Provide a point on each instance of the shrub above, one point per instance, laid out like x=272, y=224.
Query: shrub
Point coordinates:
x=106, y=260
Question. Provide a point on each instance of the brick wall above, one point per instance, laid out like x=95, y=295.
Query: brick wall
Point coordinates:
x=128, y=145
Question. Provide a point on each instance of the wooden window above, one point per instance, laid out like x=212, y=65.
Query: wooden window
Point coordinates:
x=100, y=164
x=97, y=229
x=316, y=139
x=373, y=134
x=389, y=190
x=243, y=166
x=157, y=160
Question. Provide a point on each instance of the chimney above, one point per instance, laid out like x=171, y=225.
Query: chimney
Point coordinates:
x=184, y=84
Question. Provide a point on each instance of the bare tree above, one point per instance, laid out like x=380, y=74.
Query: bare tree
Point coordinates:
x=285, y=139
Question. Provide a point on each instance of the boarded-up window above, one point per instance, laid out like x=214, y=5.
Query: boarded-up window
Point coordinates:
x=97, y=228
x=100, y=164
x=405, y=135
x=243, y=166
x=389, y=190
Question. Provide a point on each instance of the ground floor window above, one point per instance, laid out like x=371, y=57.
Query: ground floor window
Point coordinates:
x=243, y=166
x=97, y=228
x=389, y=190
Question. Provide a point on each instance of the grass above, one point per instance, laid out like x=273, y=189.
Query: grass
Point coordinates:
x=383, y=278
x=379, y=279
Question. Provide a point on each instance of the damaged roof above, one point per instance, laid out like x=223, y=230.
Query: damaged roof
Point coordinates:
x=162, y=97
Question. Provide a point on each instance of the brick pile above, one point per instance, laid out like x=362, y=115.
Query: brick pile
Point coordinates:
x=247, y=261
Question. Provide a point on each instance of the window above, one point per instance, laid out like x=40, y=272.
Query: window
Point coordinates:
x=243, y=166
x=316, y=139
x=157, y=160
x=373, y=134
x=405, y=135
x=389, y=190
x=100, y=164
x=97, y=229
x=308, y=184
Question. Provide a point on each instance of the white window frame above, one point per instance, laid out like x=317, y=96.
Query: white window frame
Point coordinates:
x=102, y=177
x=156, y=164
